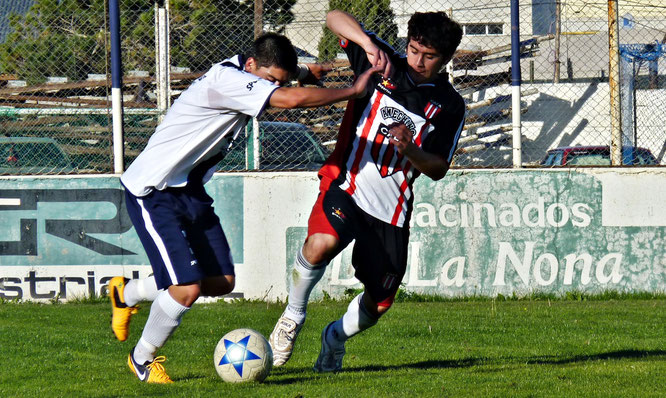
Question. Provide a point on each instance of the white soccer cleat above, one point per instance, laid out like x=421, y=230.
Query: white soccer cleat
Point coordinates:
x=330, y=357
x=283, y=338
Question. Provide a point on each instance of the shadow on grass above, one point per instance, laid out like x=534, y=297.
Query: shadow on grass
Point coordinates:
x=622, y=354
x=302, y=374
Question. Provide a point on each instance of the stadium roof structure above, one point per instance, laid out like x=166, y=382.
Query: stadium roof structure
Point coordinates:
x=11, y=7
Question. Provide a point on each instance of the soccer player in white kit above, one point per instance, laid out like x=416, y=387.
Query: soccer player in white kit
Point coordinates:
x=408, y=124
x=166, y=199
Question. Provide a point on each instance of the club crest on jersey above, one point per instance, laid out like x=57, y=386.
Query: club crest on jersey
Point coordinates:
x=432, y=109
x=384, y=154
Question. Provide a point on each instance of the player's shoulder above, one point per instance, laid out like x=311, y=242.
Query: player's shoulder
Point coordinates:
x=230, y=65
x=445, y=93
x=227, y=71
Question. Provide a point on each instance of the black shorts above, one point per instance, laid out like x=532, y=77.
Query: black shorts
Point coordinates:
x=181, y=234
x=379, y=255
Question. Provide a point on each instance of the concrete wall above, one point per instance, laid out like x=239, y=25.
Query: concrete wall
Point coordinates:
x=473, y=233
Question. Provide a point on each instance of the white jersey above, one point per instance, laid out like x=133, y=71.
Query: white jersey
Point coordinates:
x=201, y=124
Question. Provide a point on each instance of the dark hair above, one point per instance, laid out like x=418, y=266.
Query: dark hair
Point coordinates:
x=436, y=30
x=272, y=49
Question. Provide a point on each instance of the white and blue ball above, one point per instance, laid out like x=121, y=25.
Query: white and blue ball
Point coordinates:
x=243, y=355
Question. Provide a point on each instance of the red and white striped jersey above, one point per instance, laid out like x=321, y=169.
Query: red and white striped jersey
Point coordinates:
x=365, y=163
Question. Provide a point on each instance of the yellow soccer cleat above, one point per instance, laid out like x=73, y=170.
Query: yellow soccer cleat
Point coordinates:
x=150, y=372
x=120, y=312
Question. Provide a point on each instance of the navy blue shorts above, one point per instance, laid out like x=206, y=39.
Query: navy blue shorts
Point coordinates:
x=181, y=234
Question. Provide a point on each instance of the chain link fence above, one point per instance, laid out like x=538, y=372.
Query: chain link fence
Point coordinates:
x=55, y=78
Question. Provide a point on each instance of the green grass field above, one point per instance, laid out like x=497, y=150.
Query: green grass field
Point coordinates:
x=482, y=348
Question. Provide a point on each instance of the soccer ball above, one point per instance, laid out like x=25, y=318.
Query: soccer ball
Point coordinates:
x=243, y=355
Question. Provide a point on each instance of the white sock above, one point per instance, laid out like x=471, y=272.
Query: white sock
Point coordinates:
x=164, y=318
x=140, y=290
x=304, y=277
x=354, y=321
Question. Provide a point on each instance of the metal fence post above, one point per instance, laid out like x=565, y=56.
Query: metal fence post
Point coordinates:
x=116, y=87
x=162, y=59
x=614, y=84
x=515, y=85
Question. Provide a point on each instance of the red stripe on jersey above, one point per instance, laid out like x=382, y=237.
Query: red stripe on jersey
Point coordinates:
x=362, y=143
x=427, y=110
x=336, y=160
x=437, y=110
x=419, y=138
x=377, y=146
x=405, y=184
x=401, y=198
x=431, y=110
x=386, y=159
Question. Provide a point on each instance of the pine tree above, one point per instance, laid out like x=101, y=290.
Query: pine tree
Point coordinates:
x=67, y=37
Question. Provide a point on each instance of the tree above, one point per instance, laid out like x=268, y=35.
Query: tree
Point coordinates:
x=68, y=37
x=55, y=38
x=376, y=16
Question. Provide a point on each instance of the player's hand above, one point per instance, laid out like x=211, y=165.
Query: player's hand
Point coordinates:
x=377, y=57
x=317, y=72
x=361, y=84
x=401, y=137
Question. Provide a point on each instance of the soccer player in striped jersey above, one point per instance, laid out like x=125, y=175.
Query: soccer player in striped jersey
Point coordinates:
x=165, y=196
x=408, y=124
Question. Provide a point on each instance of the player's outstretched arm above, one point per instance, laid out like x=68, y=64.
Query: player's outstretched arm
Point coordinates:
x=315, y=74
x=308, y=97
x=345, y=26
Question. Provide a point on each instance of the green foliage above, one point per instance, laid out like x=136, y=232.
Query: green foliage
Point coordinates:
x=376, y=16
x=67, y=37
x=55, y=38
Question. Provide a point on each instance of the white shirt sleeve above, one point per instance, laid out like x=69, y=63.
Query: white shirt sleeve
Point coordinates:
x=229, y=89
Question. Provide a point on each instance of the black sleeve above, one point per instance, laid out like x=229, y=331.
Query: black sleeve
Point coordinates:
x=357, y=56
x=448, y=125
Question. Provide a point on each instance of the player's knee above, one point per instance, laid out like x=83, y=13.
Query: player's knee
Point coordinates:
x=377, y=309
x=185, y=294
x=218, y=286
x=383, y=309
x=319, y=248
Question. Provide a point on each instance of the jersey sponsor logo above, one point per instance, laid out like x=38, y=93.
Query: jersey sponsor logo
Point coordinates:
x=339, y=214
x=250, y=85
x=398, y=116
x=386, y=85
